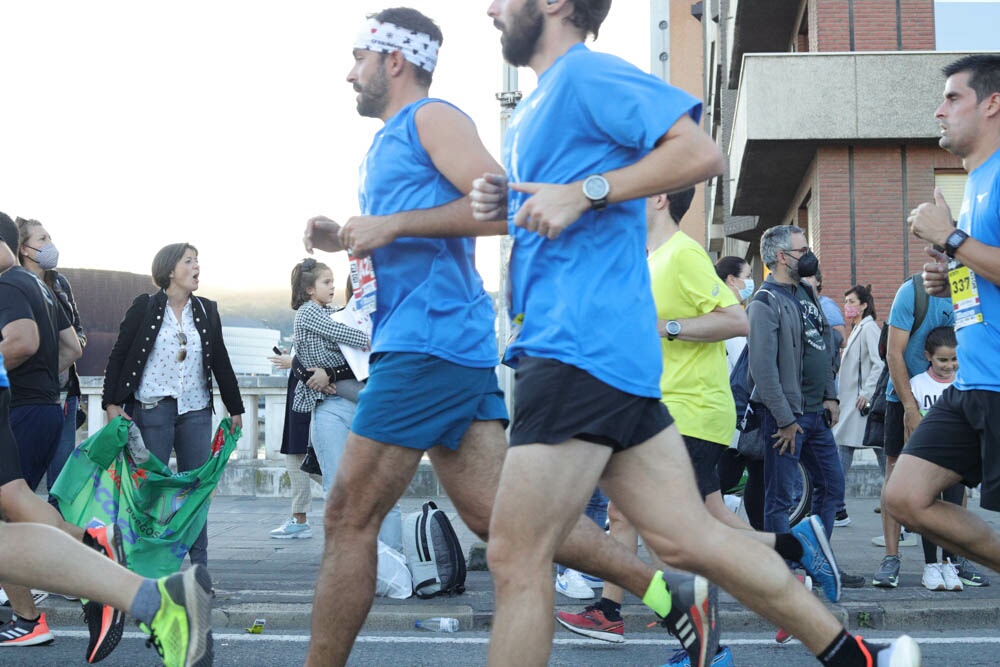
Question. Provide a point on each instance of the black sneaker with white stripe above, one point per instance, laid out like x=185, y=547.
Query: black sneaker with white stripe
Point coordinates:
x=104, y=622
x=692, y=617
x=37, y=597
x=19, y=632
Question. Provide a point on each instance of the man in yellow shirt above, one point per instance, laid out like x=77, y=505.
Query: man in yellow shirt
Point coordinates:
x=696, y=312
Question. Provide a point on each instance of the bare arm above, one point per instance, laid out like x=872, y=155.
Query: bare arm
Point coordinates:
x=720, y=324
x=454, y=146
x=20, y=342
x=684, y=156
x=69, y=348
x=898, y=339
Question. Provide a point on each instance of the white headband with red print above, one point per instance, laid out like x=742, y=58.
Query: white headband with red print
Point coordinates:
x=383, y=37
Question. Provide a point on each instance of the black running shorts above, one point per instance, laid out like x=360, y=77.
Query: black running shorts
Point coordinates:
x=962, y=433
x=705, y=457
x=555, y=402
x=10, y=461
x=892, y=437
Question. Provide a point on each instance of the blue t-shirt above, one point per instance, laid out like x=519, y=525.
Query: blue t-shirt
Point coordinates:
x=585, y=297
x=4, y=382
x=979, y=344
x=430, y=298
x=901, y=316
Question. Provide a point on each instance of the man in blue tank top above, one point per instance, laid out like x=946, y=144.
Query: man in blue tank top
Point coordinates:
x=433, y=384
x=581, y=153
x=959, y=439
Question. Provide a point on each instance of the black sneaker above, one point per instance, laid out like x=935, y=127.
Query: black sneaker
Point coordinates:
x=692, y=616
x=969, y=574
x=19, y=632
x=841, y=519
x=851, y=580
x=104, y=622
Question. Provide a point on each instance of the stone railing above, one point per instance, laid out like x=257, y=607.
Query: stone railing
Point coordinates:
x=257, y=467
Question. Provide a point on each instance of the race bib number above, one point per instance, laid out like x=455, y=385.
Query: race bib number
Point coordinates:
x=363, y=282
x=965, y=297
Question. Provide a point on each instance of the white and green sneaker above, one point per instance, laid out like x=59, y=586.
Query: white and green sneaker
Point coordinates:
x=181, y=630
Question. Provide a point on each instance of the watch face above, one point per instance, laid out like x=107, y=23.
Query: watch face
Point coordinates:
x=673, y=327
x=596, y=187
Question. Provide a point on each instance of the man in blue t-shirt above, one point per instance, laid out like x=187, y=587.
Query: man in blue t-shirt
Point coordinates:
x=433, y=385
x=581, y=152
x=959, y=439
x=905, y=359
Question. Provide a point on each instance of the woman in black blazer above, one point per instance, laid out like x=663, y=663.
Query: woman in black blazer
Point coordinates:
x=160, y=370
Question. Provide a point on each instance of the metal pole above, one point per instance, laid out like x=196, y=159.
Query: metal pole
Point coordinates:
x=508, y=98
x=659, y=39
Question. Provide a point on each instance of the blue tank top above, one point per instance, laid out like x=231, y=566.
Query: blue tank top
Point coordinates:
x=430, y=298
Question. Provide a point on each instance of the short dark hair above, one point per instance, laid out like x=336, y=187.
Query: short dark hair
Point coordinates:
x=940, y=337
x=8, y=232
x=303, y=277
x=588, y=15
x=819, y=280
x=411, y=19
x=864, y=295
x=729, y=265
x=165, y=261
x=984, y=73
x=679, y=203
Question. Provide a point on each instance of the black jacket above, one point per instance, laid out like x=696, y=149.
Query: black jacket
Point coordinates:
x=136, y=335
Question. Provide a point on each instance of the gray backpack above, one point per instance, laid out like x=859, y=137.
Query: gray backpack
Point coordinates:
x=433, y=553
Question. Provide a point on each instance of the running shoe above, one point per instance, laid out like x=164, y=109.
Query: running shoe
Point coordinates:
x=887, y=575
x=851, y=580
x=692, y=617
x=181, y=630
x=292, y=530
x=903, y=652
x=817, y=557
x=571, y=584
x=932, y=578
x=841, y=519
x=594, y=624
x=104, y=622
x=783, y=636
x=950, y=574
x=969, y=574
x=19, y=632
x=680, y=658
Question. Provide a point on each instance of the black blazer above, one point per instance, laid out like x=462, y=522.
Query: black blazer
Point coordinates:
x=136, y=335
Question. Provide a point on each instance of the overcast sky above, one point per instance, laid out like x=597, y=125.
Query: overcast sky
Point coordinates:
x=227, y=123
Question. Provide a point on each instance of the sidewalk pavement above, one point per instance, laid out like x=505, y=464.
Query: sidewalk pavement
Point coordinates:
x=259, y=577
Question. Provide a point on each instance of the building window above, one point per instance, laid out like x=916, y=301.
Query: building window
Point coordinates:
x=952, y=184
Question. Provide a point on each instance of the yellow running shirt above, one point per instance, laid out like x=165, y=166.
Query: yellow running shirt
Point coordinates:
x=695, y=380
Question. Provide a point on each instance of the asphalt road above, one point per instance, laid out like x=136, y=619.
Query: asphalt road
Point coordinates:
x=469, y=648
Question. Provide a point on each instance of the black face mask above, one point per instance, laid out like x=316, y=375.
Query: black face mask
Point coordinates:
x=808, y=265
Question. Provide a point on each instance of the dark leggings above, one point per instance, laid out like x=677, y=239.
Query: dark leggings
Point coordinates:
x=731, y=466
x=954, y=495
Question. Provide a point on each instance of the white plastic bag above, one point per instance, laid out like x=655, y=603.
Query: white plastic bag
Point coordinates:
x=394, y=579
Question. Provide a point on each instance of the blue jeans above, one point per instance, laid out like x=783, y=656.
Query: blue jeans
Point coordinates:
x=189, y=436
x=331, y=422
x=67, y=443
x=597, y=511
x=817, y=449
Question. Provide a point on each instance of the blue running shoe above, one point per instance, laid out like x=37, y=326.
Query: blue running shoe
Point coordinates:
x=724, y=658
x=817, y=556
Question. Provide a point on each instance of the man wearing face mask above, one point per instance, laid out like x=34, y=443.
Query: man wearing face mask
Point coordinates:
x=790, y=344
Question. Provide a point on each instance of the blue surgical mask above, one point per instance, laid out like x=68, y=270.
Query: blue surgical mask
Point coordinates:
x=747, y=289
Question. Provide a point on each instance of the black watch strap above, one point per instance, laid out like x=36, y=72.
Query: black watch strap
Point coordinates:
x=954, y=242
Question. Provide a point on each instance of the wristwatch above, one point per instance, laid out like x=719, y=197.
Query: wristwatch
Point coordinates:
x=596, y=189
x=955, y=240
x=672, y=329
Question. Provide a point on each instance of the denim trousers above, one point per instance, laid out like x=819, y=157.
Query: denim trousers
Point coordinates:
x=331, y=422
x=67, y=443
x=596, y=511
x=817, y=450
x=189, y=436
x=847, y=460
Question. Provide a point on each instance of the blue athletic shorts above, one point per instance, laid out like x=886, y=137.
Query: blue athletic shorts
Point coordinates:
x=419, y=400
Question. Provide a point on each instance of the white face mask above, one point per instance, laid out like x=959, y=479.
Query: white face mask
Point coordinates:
x=747, y=290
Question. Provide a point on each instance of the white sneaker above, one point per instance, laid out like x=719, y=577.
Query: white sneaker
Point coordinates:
x=291, y=530
x=904, y=652
x=733, y=503
x=571, y=584
x=933, y=580
x=950, y=574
